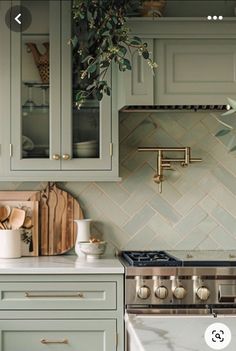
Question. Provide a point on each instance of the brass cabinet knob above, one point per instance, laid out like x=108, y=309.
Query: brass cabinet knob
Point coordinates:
x=56, y=157
x=66, y=157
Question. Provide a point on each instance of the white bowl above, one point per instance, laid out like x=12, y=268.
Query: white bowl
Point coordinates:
x=85, y=144
x=86, y=151
x=92, y=250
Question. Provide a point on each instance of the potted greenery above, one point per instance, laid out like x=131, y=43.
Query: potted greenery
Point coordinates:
x=102, y=37
x=152, y=8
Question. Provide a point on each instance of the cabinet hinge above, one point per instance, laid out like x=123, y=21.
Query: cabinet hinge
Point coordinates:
x=111, y=149
x=11, y=150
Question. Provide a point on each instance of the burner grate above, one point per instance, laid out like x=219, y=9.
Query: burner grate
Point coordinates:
x=150, y=258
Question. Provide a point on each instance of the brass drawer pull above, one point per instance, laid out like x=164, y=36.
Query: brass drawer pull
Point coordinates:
x=63, y=341
x=32, y=294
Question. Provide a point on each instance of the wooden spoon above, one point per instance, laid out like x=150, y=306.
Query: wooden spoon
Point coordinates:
x=1, y=226
x=4, y=213
x=27, y=223
x=16, y=218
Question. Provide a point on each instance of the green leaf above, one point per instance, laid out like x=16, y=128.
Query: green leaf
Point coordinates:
x=109, y=25
x=74, y=41
x=137, y=39
x=145, y=54
x=114, y=19
x=122, y=51
x=232, y=103
x=233, y=149
x=121, y=67
x=108, y=91
x=135, y=42
x=127, y=64
x=105, y=33
x=222, y=132
x=99, y=95
x=92, y=68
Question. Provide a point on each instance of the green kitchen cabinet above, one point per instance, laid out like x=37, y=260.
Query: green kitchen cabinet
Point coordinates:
x=137, y=85
x=46, y=137
x=60, y=335
x=61, y=311
x=196, y=62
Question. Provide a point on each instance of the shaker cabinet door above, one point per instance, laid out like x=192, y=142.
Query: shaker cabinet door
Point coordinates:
x=137, y=85
x=46, y=137
x=35, y=89
x=86, y=132
x=71, y=335
x=196, y=71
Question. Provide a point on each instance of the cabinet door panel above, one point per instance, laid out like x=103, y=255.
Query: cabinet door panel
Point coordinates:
x=138, y=83
x=82, y=335
x=35, y=89
x=86, y=134
x=195, y=71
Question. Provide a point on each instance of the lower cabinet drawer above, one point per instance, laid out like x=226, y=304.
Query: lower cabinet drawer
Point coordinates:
x=58, y=295
x=71, y=335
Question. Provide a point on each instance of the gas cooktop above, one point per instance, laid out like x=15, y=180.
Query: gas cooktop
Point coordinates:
x=150, y=258
x=194, y=258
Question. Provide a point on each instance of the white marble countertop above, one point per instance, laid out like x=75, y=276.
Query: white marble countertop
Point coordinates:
x=66, y=264
x=174, y=333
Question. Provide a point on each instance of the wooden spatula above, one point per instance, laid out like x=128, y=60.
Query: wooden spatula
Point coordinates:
x=16, y=218
x=4, y=213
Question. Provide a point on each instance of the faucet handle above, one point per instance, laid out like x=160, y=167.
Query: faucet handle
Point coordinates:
x=158, y=178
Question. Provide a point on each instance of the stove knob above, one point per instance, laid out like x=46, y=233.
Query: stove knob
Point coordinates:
x=143, y=292
x=161, y=292
x=179, y=292
x=203, y=293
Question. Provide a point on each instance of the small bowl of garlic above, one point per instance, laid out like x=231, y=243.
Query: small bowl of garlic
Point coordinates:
x=93, y=249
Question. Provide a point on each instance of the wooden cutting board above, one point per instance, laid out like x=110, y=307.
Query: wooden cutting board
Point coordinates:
x=58, y=209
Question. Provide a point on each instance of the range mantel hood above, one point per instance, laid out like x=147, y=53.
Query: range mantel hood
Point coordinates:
x=174, y=108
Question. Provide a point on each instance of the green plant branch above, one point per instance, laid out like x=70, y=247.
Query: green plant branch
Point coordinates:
x=102, y=37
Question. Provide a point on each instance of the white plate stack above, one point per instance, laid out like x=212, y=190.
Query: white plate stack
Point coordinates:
x=86, y=149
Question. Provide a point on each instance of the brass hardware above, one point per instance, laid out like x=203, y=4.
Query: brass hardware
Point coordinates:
x=11, y=150
x=111, y=149
x=189, y=256
x=66, y=157
x=232, y=256
x=45, y=341
x=165, y=162
x=35, y=294
x=56, y=157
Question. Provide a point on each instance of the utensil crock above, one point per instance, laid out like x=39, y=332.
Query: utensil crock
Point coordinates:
x=10, y=243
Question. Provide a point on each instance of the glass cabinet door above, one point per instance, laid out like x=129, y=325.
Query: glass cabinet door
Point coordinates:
x=35, y=89
x=86, y=137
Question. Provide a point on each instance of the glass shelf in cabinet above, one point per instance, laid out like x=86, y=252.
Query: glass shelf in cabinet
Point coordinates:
x=36, y=84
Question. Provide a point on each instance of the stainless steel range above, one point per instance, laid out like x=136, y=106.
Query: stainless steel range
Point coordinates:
x=180, y=282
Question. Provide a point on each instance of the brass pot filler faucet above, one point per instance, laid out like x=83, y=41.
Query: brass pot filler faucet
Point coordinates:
x=164, y=162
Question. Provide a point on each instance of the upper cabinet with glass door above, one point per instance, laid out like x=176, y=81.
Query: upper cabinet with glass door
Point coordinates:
x=48, y=132
x=35, y=89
